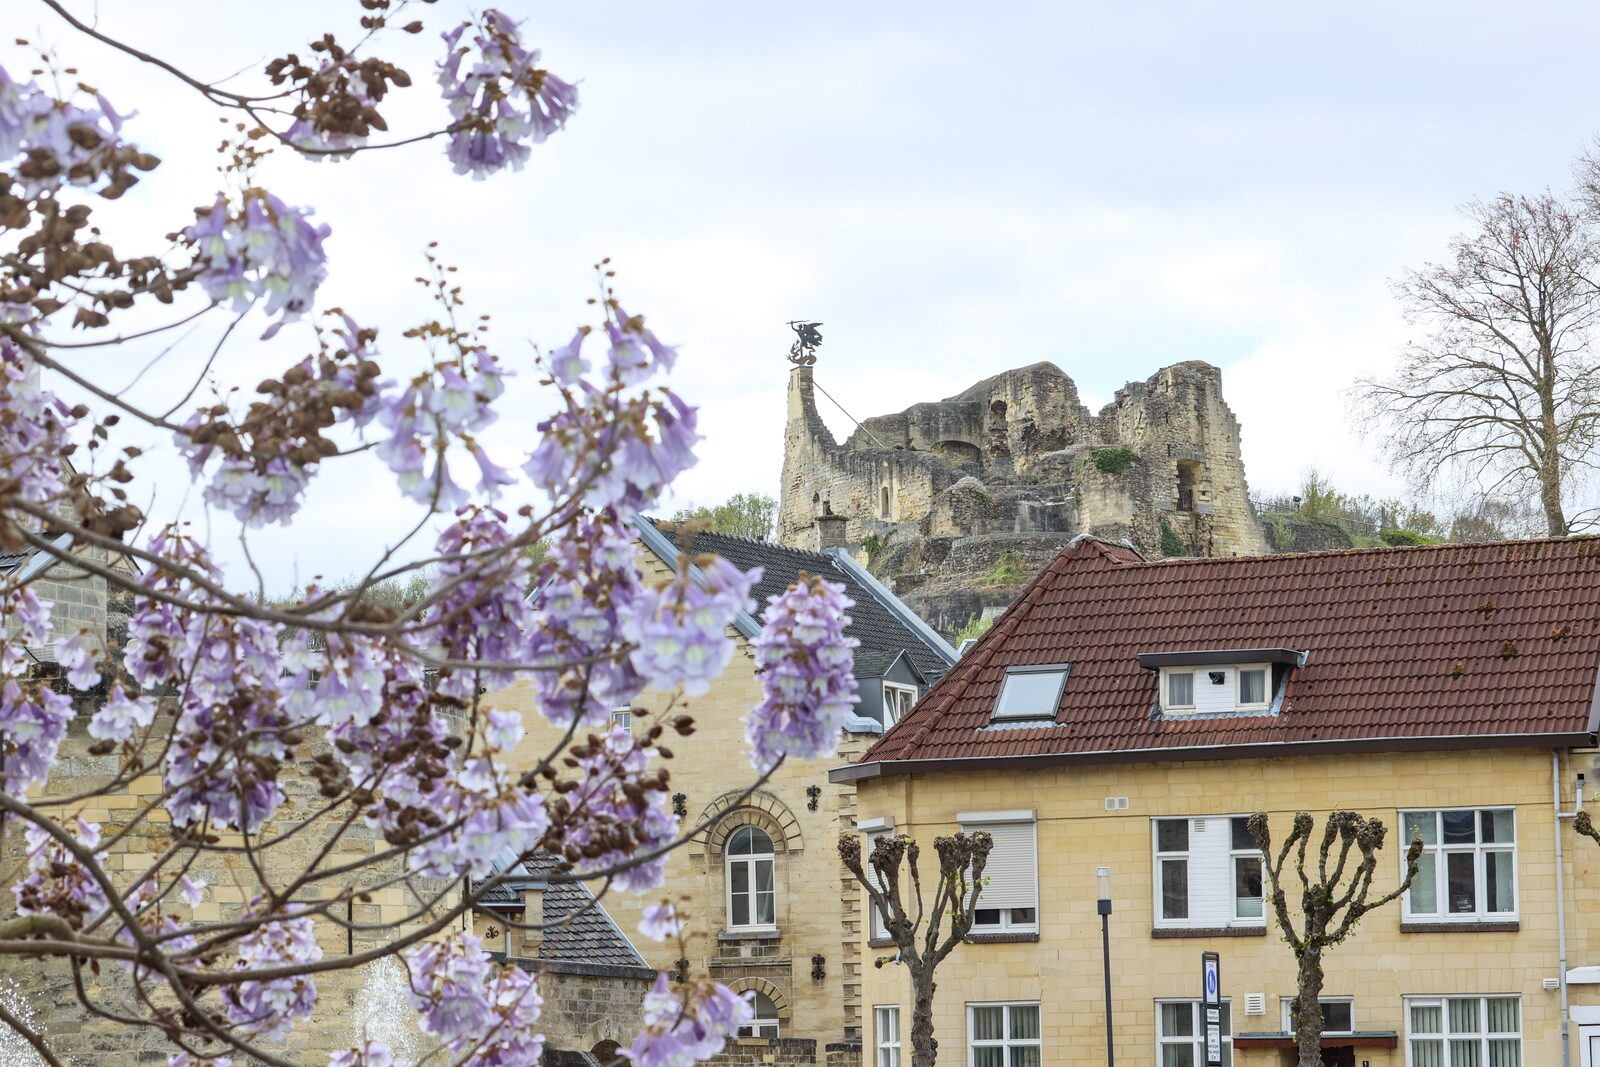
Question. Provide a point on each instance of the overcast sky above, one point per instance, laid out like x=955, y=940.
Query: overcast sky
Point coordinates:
x=953, y=189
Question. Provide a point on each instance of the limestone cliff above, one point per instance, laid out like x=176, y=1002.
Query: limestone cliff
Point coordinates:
x=958, y=502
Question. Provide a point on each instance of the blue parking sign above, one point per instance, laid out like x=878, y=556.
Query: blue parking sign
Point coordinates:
x=1211, y=1002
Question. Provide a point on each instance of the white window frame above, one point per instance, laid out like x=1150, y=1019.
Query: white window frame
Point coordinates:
x=896, y=687
x=1009, y=923
x=1005, y=1042
x=887, y=1051
x=1167, y=703
x=1480, y=868
x=1192, y=921
x=750, y=862
x=1266, y=686
x=1235, y=854
x=1197, y=1040
x=767, y=1027
x=623, y=717
x=1288, y=1022
x=1445, y=1035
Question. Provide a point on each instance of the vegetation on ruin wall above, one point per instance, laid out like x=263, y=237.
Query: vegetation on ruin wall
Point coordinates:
x=1111, y=460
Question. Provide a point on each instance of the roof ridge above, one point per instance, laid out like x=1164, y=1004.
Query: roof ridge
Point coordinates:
x=1175, y=561
x=976, y=658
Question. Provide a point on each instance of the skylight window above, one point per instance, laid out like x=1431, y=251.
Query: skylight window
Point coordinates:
x=1031, y=693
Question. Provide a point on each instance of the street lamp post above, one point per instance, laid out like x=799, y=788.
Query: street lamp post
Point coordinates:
x=1102, y=877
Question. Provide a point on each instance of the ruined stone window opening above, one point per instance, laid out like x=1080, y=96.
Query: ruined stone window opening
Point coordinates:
x=765, y=1024
x=752, y=884
x=884, y=504
x=1188, y=479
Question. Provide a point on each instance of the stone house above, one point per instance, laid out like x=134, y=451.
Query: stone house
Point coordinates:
x=1127, y=715
x=770, y=906
x=957, y=502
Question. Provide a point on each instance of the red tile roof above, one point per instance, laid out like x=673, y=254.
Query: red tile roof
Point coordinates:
x=1407, y=648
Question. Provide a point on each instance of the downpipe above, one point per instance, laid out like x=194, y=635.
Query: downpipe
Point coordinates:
x=1561, y=905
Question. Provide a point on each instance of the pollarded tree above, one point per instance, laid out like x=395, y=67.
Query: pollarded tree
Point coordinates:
x=1335, y=893
x=312, y=782
x=1505, y=387
x=923, y=940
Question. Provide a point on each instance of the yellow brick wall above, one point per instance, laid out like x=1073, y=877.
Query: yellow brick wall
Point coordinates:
x=1378, y=965
x=816, y=916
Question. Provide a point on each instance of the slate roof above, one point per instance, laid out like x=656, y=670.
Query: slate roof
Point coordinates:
x=589, y=936
x=872, y=622
x=1406, y=648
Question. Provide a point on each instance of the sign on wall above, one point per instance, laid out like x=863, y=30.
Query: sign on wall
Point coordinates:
x=1211, y=1005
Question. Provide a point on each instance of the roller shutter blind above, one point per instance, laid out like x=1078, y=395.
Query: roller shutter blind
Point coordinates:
x=1011, y=878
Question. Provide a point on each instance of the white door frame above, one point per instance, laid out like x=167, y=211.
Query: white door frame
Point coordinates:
x=1585, y=1030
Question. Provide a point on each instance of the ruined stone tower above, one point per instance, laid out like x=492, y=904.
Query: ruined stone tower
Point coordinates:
x=958, y=503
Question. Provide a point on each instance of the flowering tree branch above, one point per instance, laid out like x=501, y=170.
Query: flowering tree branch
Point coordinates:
x=281, y=734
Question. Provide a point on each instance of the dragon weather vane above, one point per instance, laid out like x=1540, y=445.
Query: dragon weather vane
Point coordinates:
x=803, y=353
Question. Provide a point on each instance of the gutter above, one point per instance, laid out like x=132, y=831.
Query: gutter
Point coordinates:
x=856, y=772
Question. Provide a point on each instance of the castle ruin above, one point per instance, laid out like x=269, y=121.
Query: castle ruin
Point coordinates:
x=956, y=504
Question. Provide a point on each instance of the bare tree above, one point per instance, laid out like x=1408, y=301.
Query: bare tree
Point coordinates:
x=962, y=858
x=1328, y=911
x=1505, y=387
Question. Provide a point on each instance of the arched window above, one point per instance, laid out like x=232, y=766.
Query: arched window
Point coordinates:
x=752, y=898
x=885, y=507
x=765, y=1024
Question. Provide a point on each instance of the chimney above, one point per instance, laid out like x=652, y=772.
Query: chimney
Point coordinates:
x=532, y=913
x=829, y=527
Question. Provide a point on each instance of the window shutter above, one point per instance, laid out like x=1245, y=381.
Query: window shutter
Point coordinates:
x=1011, y=876
x=876, y=927
x=1210, y=879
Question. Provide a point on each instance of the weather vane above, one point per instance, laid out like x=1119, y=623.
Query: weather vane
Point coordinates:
x=803, y=353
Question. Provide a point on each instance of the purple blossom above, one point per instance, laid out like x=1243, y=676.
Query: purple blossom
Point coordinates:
x=487, y=1011
x=660, y=922
x=55, y=882
x=261, y=248
x=192, y=890
x=270, y=1008
x=619, y=452
x=680, y=631
x=586, y=587
x=567, y=364
x=452, y=401
x=681, y=1033
x=805, y=662
x=610, y=807
x=480, y=613
x=79, y=657
x=35, y=428
x=65, y=142
x=121, y=715
x=504, y=729
x=502, y=102
x=636, y=352
x=367, y=1054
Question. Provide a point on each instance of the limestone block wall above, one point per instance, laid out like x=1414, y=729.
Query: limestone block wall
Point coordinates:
x=1379, y=965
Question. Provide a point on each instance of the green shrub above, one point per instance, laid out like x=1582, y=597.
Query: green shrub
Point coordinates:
x=874, y=546
x=975, y=628
x=1112, y=460
x=1407, y=537
x=1007, y=570
x=1171, y=543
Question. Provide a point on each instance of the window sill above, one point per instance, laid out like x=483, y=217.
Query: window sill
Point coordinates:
x=764, y=933
x=1480, y=926
x=1003, y=937
x=881, y=942
x=1209, y=931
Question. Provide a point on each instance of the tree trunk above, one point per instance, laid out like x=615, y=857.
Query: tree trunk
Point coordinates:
x=924, y=1047
x=1307, y=1013
x=1555, y=517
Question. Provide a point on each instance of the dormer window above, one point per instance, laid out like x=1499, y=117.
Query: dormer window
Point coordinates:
x=1031, y=693
x=1180, y=690
x=1224, y=682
